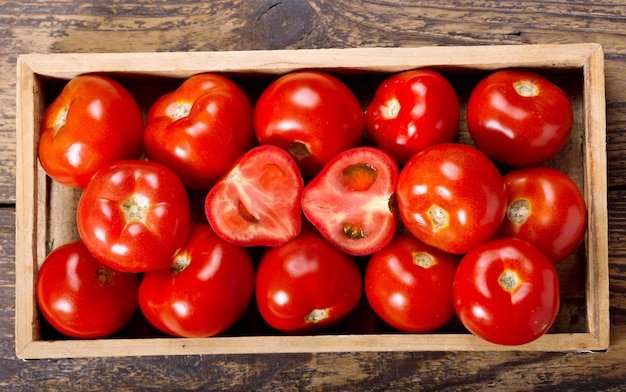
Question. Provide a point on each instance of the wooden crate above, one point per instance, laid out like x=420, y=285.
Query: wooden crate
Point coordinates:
x=46, y=210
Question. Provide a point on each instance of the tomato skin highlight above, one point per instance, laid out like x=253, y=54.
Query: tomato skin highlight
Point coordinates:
x=134, y=215
x=519, y=118
x=257, y=203
x=412, y=110
x=83, y=298
x=200, y=129
x=409, y=285
x=352, y=200
x=554, y=216
x=506, y=292
x=205, y=296
x=306, y=285
x=310, y=114
x=452, y=197
x=93, y=122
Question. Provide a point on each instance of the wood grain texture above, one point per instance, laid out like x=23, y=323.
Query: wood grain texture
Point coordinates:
x=148, y=25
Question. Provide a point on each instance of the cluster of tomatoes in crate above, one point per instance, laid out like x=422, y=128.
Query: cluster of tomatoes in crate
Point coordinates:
x=320, y=183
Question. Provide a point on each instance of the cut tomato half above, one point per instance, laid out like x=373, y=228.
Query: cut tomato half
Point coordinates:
x=257, y=203
x=352, y=200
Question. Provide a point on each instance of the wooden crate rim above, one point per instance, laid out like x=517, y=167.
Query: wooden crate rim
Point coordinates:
x=587, y=57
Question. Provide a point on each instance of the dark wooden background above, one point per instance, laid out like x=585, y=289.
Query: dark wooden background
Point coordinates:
x=28, y=26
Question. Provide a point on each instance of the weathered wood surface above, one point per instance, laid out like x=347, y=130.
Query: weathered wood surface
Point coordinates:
x=135, y=26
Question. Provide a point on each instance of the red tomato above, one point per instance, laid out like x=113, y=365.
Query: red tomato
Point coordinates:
x=545, y=209
x=412, y=110
x=519, y=118
x=205, y=291
x=134, y=215
x=306, y=285
x=312, y=115
x=409, y=285
x=258, y=201
x=83, y=298
x=506, y=292
x=200, y=129
x=452, y=197
x=93, y=122
x=351, y=201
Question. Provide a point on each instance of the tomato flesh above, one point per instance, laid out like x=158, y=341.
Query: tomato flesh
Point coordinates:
x=258, y=201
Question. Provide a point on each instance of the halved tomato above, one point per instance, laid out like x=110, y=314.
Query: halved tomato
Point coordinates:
x=257, y=203
x=352, y=200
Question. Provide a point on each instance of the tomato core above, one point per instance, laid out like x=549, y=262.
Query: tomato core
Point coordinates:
x=358, y=177
x=134, y=208
x=299, y=150
x=509, y=281
x=61, y=118
x=438, y=216
x=526, y=89
x=518, y=211
x=316, y=315
x=104, y=276
x=423, y=260
x=182, y=110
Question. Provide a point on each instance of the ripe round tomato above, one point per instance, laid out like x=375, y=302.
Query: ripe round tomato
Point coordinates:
x=200, y=129
x=412, y=110
x=506, y=292
x=258, y=201
x=93, y=122
x=452, y=197
x=351, y=201
x=306, y=285
x=519, y=118
x=134, y=215
x=312, y=115
x=81, y=297
x=545, y=209
x=205, y=291
x=409, y=285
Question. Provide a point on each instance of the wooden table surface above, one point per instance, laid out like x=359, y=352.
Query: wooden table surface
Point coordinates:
x=29, y=26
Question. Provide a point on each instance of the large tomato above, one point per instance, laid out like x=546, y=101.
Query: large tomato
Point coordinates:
x=546, y=209
x=93, y=122
x=312, y=115
x=258, y=201
x=306, y=285
x=452, y=197
x=518, y=117
x=205, y=291
x=412, y=110
x=134, y=215
x=409, y=285
x=506, y=292
x=200, y=129
x=83, y=298
x=352, y=200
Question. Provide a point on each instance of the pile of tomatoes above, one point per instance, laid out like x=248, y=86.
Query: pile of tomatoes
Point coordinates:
x=319, y=183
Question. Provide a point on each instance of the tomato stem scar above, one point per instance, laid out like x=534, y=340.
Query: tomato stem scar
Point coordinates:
x=392, y=108
x=299, y=150
x=104, y=276
x=182, y=110
x=181, y=261
x=316, y=315
x=61, y=119
x=518, y=211
x=423, y=259
x=438, y=216
x=509, y=281
x=135, y=207
x=526, y=89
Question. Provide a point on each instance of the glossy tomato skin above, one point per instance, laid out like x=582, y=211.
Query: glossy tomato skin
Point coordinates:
x=519, y=118
x=134, y=215
x=412, y=110
x=506, y=292
x=257, y=203
x=409, y=285
x=205, y=291
x=306, y=285
x=93, y=122
x=352, y=200
x=83, y=298
x=546, y=209
x=452, y=197
x=312, y=115
x=200, y=129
